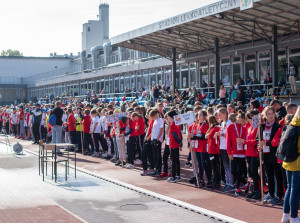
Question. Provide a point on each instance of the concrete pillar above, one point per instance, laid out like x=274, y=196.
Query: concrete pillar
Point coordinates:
x=274, y=58
x=217, y=67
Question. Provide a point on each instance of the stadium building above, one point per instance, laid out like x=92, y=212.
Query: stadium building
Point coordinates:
x=217, y=43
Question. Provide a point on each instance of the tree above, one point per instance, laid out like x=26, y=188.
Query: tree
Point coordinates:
x=11, y=53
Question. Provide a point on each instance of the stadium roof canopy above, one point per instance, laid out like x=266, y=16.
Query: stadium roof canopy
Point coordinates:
x=197, y=30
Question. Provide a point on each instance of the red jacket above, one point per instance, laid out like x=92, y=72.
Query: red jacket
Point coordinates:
x=176, y=129
x=213, y=146
x=71, y=123
x=282, y=122
x=277, y=137
x=231, y=136
x=87, y=123
x=150, y=128
x=202, y=144
x=141, y=123
x=250, y=145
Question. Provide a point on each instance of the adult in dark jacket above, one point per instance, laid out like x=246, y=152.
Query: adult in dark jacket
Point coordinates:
x=280, y=110
x=36, y=123
x=57, y=129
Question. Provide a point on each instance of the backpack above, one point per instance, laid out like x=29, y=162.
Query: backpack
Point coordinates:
x=52, y=120
x=287, y=150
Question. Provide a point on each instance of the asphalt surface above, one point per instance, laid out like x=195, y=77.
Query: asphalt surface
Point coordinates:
x=24, y=197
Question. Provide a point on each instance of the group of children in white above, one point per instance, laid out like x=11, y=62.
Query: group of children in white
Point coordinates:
x=223, y=144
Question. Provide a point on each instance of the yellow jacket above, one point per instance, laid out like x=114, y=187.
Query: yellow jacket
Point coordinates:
x=79, y=127
x=295, y=165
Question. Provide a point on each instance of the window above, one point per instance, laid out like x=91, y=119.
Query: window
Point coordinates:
x=168, y=77
x=236, y=72
x=89, y=29
x=264, y=69
x=152, y=78
x=193, y=74
x=184, y=76
x=251, y=70
x=146, y=79
x=225, y=74
x=250, y=57
x=264, y=55
x=159, y=77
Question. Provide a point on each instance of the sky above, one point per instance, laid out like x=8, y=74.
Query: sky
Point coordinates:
x=41, y=27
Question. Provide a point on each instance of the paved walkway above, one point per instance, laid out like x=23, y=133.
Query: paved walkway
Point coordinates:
x=226, y=204
x=26, y=198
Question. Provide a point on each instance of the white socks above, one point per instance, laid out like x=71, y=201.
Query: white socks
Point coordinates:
x=285, y=218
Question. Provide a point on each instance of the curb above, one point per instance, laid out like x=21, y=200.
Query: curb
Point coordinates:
x=193, y=208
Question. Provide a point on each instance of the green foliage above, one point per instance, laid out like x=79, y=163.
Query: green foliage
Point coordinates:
x=11, y=53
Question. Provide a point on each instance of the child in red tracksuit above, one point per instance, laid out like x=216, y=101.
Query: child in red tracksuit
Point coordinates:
x=235, y=149
x=214, y=150
x=71, y=125
x=87, y=140
x=174, y=145
x=251, y=152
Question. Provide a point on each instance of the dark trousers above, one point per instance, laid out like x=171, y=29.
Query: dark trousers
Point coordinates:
x=215, y=164
x=165, y=158
x=139, y=145
x=1, y=125
x=147, y=155
x=36, y=132
x=200, y=167
x=253, y=163
x=130, y=149
x=73, y=137
x=273, y=170
x=43, y=132
x=7, y=127
x=103, y=143
x=175, y=162
x=96, y=137
x=14, y=127
x=78, y=140
x=156, y=151
x=87, y=140
x=205, y=162
x=237, y=168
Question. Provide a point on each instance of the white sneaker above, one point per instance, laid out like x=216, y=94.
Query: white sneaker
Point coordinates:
x=285, y=218
x=126, y=165
x=294, y=220
x=137, y=162
x=130, y=166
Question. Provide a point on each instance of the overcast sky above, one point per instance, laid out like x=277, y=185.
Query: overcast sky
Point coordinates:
x=39, y=27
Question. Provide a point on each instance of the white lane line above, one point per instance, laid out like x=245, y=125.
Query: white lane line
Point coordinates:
x=176, y=202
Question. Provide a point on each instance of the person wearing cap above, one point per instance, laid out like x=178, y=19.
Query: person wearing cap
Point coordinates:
x=174, y=144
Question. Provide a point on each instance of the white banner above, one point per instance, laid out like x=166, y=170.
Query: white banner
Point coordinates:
x=246, y=4
x=184, y=118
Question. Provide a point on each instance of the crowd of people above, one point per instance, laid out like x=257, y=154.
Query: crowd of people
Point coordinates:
x=223, y=140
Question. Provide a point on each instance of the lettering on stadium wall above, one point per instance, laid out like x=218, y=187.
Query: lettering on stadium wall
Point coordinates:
x=199, y=13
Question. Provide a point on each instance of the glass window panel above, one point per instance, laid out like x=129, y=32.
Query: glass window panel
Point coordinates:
x=225, y=60
x=140, y=84
x=193, y=74
x=146, y=79
x=251, y=70
x=295, y=51
x=122, y=89
x=159, y=77
x=236, y=58
x=127, y=81
x=211, y=62
x=168, y=77
x=250, y=57
x=264, y=69
x=212, y=74
x=225, y=74
x=177, y=78
x=204, y=74
x=132, y=79
x=264, y=55
x=203, y=63
x=282, y=68
x=185, y=76
x=236, y=72
x=152, y=78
